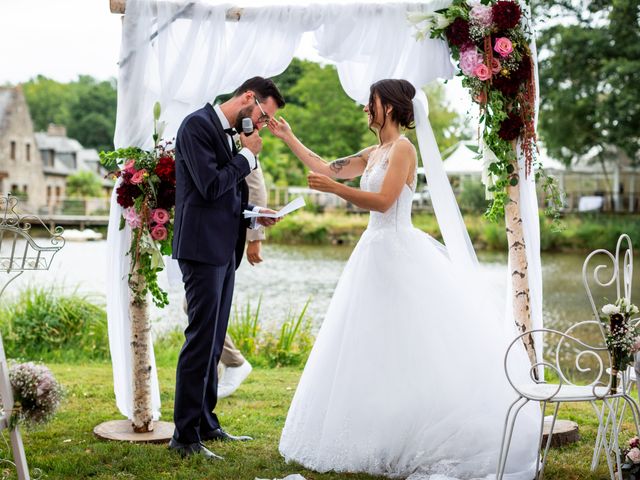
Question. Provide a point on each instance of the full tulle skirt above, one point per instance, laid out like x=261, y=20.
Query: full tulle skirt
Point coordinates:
x=406, y=377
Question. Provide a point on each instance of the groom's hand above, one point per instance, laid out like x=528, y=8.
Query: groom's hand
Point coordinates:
x=253, y=142
x=253, y=252
x=266, y=221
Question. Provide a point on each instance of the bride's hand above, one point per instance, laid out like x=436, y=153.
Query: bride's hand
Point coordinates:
x=320, y=182
x=280, y=128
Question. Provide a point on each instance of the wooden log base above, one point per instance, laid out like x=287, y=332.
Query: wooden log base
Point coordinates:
x=564, y=433
x=122, y=431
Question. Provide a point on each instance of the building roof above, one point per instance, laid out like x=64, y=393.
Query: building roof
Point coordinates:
x=58, y=144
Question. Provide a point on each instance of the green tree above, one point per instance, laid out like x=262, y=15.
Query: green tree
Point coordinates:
x=48, y=101
x=589, y=77
x=87, y=108
x=92, y=114
x=84, y=184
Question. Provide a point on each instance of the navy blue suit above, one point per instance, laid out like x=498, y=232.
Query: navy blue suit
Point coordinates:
x=208, y=241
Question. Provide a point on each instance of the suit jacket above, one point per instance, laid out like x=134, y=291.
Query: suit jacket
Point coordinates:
x=211, y=192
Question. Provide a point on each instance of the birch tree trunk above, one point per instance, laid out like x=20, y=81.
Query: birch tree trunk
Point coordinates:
x=140, y=345
x=519, y=269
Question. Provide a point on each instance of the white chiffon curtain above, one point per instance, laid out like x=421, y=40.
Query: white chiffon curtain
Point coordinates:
x=184, y=54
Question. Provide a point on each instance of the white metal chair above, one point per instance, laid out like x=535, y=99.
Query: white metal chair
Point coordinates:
x=19, y=253
x=582, y=364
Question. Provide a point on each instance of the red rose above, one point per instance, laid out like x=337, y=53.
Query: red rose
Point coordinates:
x=506, y=14
x=166, y=197
x=166, y=169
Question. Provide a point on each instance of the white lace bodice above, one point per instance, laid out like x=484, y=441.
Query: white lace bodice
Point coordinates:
x=399, y=215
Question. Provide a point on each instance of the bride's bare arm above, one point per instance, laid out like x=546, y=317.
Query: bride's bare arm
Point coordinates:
x=347, y=167
x=402, y=160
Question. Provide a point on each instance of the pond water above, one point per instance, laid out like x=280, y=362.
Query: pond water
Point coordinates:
x=290, y=275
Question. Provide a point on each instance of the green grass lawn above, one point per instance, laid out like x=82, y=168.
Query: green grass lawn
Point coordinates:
x=67, y=449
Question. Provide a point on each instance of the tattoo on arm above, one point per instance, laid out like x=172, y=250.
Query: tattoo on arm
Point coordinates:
x=340, y=163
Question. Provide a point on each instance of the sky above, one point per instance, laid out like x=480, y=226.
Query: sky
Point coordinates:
x=62, y=39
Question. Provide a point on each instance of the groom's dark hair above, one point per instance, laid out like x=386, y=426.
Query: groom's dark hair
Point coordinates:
x=263, y=88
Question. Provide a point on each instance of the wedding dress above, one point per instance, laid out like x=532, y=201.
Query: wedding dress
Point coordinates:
x=406, y=377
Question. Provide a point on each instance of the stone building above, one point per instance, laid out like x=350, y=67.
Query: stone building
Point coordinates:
x=21, y=170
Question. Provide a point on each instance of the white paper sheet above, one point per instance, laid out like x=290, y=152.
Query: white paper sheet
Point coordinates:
x=288, y=208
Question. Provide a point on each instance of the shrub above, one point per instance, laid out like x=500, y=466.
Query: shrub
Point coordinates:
x=44, y=323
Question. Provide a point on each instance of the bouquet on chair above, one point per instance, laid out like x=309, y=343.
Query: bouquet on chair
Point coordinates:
x=630, y=469
x=622, y=337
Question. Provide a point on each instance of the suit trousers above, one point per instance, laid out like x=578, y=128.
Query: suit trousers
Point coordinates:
x=209, y=292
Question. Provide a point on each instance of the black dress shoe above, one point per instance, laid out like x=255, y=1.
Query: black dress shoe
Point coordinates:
x=188, y=449
x=221, y=436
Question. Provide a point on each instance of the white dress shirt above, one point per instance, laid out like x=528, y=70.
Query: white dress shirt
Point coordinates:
x=245, y=152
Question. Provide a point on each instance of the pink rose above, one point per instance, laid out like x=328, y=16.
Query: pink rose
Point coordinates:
x=130, y=166
x=634, y=442
x=503, y=46
x=138, y=177
x=481, y=15
x=482, y=72
x=469, y=60
x=495, y=65
x=160, y=216
x=634, y=455
x=159, y=233
x=132, y=218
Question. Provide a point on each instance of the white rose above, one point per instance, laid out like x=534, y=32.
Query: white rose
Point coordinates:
x=634, y=455
x=634, y=309
x=610, y=309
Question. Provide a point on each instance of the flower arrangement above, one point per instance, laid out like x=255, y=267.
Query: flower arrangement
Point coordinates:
x=147, y=195
x=36, y=392
x=623, y=338
x=630, y=469
x=490, y=41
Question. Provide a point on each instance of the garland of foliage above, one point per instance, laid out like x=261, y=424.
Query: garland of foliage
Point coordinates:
x=490, y=42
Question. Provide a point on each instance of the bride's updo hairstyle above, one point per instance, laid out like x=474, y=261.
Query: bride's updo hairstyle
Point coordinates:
x=397, y=94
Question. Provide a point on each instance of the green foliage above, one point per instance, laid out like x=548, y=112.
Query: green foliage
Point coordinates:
x=87, y=107
x=472, y=197
x=289, y=346
x=43, y=323
x=84, y=183
x=590, y=72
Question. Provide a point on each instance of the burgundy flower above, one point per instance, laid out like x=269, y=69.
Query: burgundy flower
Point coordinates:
x=523, y=72
x=506, y=14
x=127, y=193
x=511, y=127
x=508, y=86
x=458, y=32
x=126, y=176
x=166, y=169
x=166, y=196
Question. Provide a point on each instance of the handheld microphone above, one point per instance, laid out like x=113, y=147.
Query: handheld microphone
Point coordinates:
x=247, y=129
x=247, y=126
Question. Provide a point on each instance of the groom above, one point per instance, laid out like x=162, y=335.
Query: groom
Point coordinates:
x=208, y=241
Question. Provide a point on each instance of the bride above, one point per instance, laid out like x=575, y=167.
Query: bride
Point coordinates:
x=406, y=376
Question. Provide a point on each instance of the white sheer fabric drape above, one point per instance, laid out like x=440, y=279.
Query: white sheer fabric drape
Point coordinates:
x=195, y=55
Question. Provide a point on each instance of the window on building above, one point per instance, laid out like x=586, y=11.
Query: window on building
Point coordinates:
x=25, y=189
x=58, y=192
x=14, y=189
x=28, y=152
x=13, y=150
x=49, y=191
